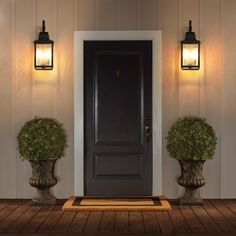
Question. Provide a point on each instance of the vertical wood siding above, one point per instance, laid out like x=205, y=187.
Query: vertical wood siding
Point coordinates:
x=25, y=93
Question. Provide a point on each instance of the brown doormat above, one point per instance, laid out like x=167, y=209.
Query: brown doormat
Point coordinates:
x=95, y=203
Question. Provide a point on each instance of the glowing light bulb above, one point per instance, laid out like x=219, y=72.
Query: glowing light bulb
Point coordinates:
x=43, y=55
x=190, y=55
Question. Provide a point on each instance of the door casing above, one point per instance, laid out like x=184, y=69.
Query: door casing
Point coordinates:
x=79, y=38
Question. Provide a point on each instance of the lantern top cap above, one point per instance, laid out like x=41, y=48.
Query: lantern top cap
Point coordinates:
x=190, y=37
x=43, y=36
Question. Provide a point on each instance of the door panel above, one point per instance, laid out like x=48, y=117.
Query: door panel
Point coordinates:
x=118, y=102
x=105, y=163
x=113, y=71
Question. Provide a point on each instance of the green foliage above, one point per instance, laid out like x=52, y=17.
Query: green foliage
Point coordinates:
x=41, y=139
x=191, y=138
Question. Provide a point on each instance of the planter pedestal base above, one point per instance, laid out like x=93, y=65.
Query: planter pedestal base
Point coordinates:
x=43, y=197
x=191, y=179
x=191, y=197
x=43, y=179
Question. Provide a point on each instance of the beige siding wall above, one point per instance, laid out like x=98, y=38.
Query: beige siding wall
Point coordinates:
x=25, y=93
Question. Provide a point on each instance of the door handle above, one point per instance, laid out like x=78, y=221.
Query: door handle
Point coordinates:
x=148, y=130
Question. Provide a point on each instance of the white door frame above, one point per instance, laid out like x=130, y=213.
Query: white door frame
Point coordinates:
x=79, y=38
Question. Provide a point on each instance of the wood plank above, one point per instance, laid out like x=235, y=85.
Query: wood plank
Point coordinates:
x=3, y=204
x=107, y=223
x=128, y=15
x=228, y=214
x=25, y=32
x=46, y=81
x=170, y=110
x=147, y=15
x=136, y=222
x=76, y=15
x=178, y=220
x=7, y=102
x=210, y=88
x=122, y=222
x=79, y=222
x=49, y=224
x=159, y=14
x=189, y=99
x=18, y=225
x=93, y=223
x=214, y=217
x=87, y=14
x=192, y=220
x=206, y=220
x=14, y=216
x=65, y=221
x=65, y=84
x=6, y=211
x=231, y=204
x=227, y=100
x=165, y=223
x=218, y=217
x=38, y=219
x=108, y=16
x=150, y=222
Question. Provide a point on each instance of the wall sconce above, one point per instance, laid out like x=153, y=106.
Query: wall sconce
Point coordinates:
x=190, y=51
x=43, y=51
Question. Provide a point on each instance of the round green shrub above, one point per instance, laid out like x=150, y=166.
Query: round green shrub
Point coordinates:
x=41, y=139
x=191, y=138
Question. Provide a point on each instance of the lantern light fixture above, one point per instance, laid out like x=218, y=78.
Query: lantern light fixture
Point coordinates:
x=43, y=51
x=190, y=51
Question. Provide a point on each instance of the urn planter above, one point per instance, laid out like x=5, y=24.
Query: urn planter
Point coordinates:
x=43, y=179
x=191, y=179
x=42, y=142
x=191, y=141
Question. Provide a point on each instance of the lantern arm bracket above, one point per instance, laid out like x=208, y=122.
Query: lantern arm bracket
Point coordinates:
x=190, y=26
x=43, y=26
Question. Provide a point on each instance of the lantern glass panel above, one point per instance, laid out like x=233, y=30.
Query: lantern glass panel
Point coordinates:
x=43, y=54
x=190, y=55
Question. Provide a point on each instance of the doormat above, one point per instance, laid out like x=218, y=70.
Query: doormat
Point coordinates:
x=95, y=203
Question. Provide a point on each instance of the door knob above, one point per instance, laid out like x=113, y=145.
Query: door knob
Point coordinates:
x=148, y=130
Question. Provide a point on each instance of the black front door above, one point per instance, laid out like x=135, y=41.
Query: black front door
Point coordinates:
x=118, y=117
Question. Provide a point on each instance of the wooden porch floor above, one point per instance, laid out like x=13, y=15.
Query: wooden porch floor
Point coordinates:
x=216, y=216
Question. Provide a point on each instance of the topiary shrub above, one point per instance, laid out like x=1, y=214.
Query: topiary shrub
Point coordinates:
x=191, y=138
x=41, y=139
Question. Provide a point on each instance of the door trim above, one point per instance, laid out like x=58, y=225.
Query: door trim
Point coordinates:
x=79, y=38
